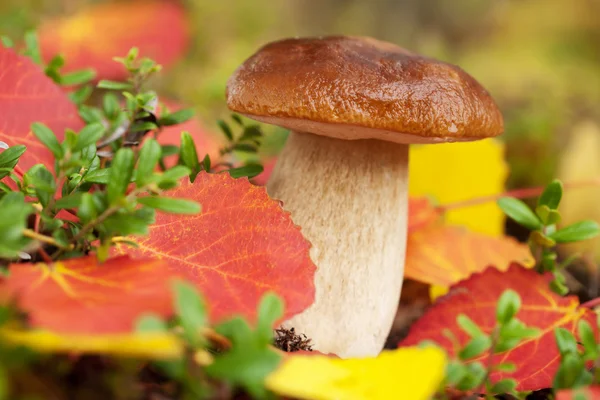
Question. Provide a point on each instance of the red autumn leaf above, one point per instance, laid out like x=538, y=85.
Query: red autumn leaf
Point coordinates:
x=84, y=296
x=206, y=142
x=442, y=255
x=590, y=393
x=240, y=246
x=28, y=96
x=536, y=359
x=421, y=213
x=94, y=35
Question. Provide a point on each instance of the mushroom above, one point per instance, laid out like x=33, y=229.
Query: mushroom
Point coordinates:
x=353, y=106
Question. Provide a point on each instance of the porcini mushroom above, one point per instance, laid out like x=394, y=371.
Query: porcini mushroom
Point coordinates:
x=353, y=106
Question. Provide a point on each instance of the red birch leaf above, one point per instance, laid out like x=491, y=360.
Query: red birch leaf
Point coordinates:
x=28, y=96
x=443, y=255
x=536, y=359
x=82, y=296
x=589, y=393
x=94, y=35
x=206, y=142
x=240, y=246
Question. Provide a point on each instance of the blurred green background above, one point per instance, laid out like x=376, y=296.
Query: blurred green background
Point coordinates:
x=540, y=59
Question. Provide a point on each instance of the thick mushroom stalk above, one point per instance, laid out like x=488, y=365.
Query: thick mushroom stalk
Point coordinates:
x=350, y=198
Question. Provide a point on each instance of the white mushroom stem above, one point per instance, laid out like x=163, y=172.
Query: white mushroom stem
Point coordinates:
x=350, y=198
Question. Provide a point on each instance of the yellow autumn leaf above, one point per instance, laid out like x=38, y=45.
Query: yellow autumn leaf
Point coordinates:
x=456, y=172
x=580, y=161
x=155, y=345
x=409, y=373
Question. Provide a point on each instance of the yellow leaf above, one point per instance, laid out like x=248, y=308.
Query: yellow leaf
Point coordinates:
x=155, y=345
x=409, y=373
x=455, y=172
x=580, y=161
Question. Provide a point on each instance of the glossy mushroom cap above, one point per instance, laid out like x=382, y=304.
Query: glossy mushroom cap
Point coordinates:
x=362, y=88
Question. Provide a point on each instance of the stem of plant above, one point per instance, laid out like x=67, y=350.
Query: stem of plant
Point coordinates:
x=517, y=193
x=591, y=303
x=43, y=238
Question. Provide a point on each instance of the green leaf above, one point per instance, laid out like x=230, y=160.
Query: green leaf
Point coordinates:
x=505, y=367
x=245, y=148
x=7, y=42
x=588, y=338
x=225, y=129
x=10, y=157
x=43, y=183
x=101, y=176
x=149, y=156
x=32, y=47
x=175, y=173
x=87, y=210
x=520, y=213
x=71, y=201
x=508, y=306
x=251, y=132
x=504, y=386
x=78, y=77
x=176, y=117
x=143, y=126
x=571, y=372
x=48, y=139
x=270, y=310
x=475, y=376
x=133, y=223
x=14, y=212
x=113, y=85
x=171, y=205
x=150, y=323
x=169, y=150
x=475, y=347
x=565, y=341
x=455, y=372
x=81, y=95
x=248, y=170
x=548, y=216
x=188, y=154
x=247, y=363
x=470, y=327
x=191, y=311
x=552, y=195
x=111, y=105
x=121, y=170
x=89, y=135
x=576, y=232
x=206, y=163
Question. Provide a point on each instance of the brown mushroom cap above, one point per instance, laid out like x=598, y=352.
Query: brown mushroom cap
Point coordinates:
x=362, y=88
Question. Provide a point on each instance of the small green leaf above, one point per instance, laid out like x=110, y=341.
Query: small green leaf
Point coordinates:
x=541, y=240
x=565, y=341
x=113, y=85
x=32, y=47
x=171, y=205
x=519, y=212
x=470, y=327
x=89, y=135
x=504, y=386
x=7, y=42
x=248, y=170
x=576, y=232
x=10, y=157
x=143, y=126
x=71, y=201
x=455, y=372
x=588, y=338
x=508, y=306
x=111, y=106
x=121, y=170
x=475, y=376
x=552, y=195
x=206, y=163
x=191, y=311
x=245, y=148
x=225, y=129
x=548, y=216
x=81, y=95
x=78, y=77
x=150, y=323
x=169, y=150
x=188, y=154
x=176, y=117
x=270, y=310
x=175, y=173
x=101, y=176
x=505, y=367
x=149, y=156
x=47, y=137
x=475, y=347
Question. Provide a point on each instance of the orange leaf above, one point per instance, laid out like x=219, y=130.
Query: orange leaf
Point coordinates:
x=87, y=297
x=421, y=213
x=536, y=359
x=96, y=34
x=240, y=246
x=206, y=142
x=28, y=96
x=590, y=393
x=443, y=255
